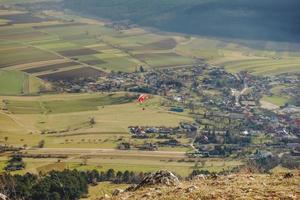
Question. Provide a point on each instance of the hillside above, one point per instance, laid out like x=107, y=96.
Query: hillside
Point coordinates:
x=238, y=19
x=236, y=186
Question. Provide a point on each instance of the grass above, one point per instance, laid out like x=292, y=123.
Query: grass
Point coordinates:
x=15, y=132
x=164, y=59
x=234, y=186
x=2, y=166
x=70, y=115
x=3, y=21
x=139, y=163
x=17, y=83
x=7, y=124
x=11, y=82
x=277, y=100
x=64, y=106
x=55, y=45
x=11, y=57
x=153, y=164
x=98, y=191
x=236, y=56
x=268, y=66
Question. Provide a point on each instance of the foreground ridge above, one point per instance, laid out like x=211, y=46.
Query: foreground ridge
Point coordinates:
x=160, y=186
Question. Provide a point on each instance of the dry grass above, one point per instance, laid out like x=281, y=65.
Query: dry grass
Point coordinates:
x=239, y=186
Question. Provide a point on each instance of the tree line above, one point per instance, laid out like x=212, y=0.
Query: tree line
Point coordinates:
x=60, y=185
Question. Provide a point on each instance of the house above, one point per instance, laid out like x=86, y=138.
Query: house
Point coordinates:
x=248, y=103
x=188, y=127
x=297, y=123
x=148, y=147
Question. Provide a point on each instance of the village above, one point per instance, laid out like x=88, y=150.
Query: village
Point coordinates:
x=226, y=107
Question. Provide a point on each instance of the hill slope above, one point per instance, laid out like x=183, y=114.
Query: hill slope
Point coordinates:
x=237, y=186
x=256, y=20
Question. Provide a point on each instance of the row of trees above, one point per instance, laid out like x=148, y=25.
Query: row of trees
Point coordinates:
x=116, y=177
x=67, y=185
x=60, y=185
x=15, y=163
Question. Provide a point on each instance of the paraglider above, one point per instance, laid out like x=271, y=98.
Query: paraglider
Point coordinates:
x=142, y=98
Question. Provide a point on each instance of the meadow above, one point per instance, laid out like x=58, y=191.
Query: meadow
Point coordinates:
x=64, y=120
x=16, y=83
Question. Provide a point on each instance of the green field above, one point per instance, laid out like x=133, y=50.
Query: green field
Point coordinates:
x=243, y=56
x=68, y=117
x=265, y=67
x=124, y=50
x=276, y=100
x=64, y=106
x=146, y=164
x=17, y=83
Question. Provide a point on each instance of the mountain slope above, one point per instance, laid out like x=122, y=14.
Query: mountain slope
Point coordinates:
x=256, y=20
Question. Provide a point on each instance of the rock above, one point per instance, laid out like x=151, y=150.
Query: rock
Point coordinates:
x=162, y=177
x=288, y=175
x=131, y=188
x=199, y=177
x=146, y=196
x=214, y=176
x=191, y=189
x=117, y=192
x=106, y=196
x=3, y=197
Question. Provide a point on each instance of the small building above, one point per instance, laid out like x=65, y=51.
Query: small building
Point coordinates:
x=176, y=109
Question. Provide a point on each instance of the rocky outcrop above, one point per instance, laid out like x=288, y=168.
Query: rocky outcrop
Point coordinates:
x=161, y=177
x=160, y=186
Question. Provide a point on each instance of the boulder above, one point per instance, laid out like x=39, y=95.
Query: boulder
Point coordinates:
x=199, y=177
x=161, y=177
x=117, y=192
x=3, y=197
x=191, y=189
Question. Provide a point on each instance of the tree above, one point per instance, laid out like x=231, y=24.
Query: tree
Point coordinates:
x=41, y=144
x=92, y=121
x=110, y=175
x=119, y=177
x=142, y=69
x=126, y=177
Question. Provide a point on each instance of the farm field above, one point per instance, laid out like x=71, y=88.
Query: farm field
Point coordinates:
x=120, y=161
x=263, y=67
x=91, y=44
x=276, y=100
x=96, y=46
x=257, y=58
x=64, y=120
x=17, y=83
